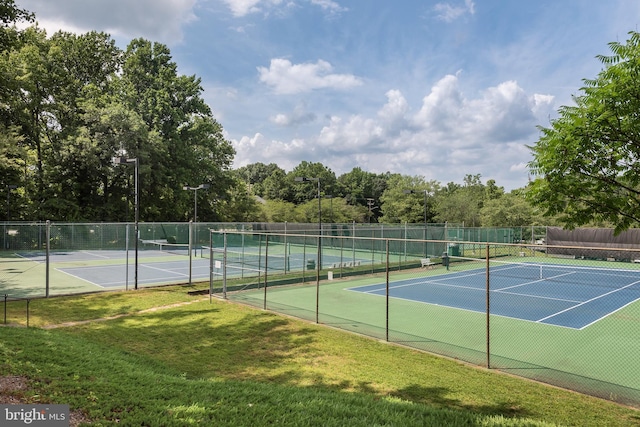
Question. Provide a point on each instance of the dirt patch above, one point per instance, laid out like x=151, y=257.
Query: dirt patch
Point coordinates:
x=13, y=388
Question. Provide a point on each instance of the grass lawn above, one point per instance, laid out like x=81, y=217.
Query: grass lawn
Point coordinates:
x=163, y=358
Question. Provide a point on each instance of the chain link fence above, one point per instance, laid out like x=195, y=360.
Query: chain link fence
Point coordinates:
x=526, y=309
x=500, y=298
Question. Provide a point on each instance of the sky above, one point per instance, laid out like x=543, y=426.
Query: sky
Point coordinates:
x=433, y=88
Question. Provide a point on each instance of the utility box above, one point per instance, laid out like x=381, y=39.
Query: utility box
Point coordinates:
x=454, y=250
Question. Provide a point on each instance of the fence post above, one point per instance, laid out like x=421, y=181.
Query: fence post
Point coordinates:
x=387, y=291
x=224, y=265
x=318, y=281
x=488, y=312
x=190, y=251
x=48, y=250
x=266, y=266
x=5, y=308
x=211, y=266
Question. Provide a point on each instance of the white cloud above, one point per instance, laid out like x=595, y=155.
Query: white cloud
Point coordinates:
x=329, y=6
x=243, y=7
x=287, y=78
x=393, y=115
x=299, y=116
x=160, y=20
x=259, y=148
x=240, y=8
x=448, y=12
x=449, y=136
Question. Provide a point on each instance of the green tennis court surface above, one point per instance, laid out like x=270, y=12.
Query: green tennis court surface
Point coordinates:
x=598, y=356
x=562, y=295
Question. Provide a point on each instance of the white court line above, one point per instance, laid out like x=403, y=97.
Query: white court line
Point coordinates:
x=431, y=282
x=534, y=281
x=164, y=269
x=78, y=277
x=94, y=254
x=535, y=296
x=588, y=301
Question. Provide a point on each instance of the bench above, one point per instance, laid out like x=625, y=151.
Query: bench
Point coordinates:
x=426, y=262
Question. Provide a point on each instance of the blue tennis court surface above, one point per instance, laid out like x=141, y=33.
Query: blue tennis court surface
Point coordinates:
x=567, y=296
x=112, y=276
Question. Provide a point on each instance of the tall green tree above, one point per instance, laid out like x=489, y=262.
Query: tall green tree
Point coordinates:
x=191, y=147
x=47, y=79
x=10, y=15
x=509, y=210
x=364, y=189
x=278, y=186
x=256, y=173
x=408, y=199
x=308, y=190
x=26, y=95
x=82, y=125
x=461, y=204
x=586, y=162
x=278, y=210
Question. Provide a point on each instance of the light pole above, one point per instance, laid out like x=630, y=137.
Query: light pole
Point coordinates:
x=124, y=161
x=195, y=198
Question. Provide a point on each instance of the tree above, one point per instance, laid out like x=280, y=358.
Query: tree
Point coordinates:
x=190, y=148
x=278, y=186
x=236, y=206
x=509, y=210
x=407, y=198
x=305, y=191
x=462, y=204
x=587, y=160
x=364, y=189
x=280, y=211
x=256, y=173
x=10, y=15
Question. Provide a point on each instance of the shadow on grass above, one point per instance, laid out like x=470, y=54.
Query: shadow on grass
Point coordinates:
x=436, y=396
x=203, y=342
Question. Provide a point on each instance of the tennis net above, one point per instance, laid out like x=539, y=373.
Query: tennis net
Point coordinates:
x=255, y=260
x=164, y=247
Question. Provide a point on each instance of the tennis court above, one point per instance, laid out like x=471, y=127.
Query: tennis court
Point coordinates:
x=280, y=259
x=114, y=276
x=108, y=269
x=568, y=296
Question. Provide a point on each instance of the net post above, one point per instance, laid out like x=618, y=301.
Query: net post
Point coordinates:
x=488, y=311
